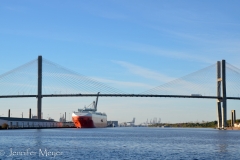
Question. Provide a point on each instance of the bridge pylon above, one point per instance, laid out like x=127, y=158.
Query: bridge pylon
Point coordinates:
x=221, y=90
x=39, y=94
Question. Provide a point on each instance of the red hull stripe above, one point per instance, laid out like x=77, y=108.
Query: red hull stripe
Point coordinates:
x=83, y=122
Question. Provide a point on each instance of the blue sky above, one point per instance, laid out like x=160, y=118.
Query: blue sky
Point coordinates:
x=131, y=45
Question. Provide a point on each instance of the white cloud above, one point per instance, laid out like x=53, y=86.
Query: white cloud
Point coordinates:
x=144, y=72
x=123, y=83
x=167, y=53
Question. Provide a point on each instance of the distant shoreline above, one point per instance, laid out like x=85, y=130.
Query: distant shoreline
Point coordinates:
x=228, y=128
x=211, y=124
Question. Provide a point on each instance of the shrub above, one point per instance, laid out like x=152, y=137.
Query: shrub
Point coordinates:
x=4, y=126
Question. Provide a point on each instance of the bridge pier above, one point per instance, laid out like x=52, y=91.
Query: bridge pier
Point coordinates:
x=219, y=109
x=221, y=88
x=224, y=99
x=39, y=96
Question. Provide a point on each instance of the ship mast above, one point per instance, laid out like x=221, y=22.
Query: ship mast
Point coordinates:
x=95, y=107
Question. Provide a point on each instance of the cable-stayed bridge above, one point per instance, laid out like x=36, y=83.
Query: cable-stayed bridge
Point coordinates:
x=43, y=78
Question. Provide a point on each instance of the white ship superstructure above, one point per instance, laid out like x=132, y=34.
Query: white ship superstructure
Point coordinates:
x=89, y=117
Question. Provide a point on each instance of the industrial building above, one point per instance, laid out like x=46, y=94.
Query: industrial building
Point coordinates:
x=33, y=122
x=28, y=123
x=112, y=123
x=14, y=123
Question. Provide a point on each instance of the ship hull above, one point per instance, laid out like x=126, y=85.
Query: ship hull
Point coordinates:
x=89, y=120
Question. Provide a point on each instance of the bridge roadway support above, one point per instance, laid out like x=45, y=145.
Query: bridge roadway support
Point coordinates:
x=30, y=113
x=221, y=87
x=224, y=99
x=219, y=111
x=39, y=96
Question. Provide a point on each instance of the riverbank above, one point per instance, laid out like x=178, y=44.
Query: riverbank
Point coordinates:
x=212, y=124
x=233, y=128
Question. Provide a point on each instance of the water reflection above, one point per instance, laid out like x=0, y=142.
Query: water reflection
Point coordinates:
x=38, y=137
x=126, y=143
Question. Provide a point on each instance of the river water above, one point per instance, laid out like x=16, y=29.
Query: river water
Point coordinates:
x=119, y=143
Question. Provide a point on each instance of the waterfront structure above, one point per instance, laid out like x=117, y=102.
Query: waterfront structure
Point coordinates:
x=233, y=117
x=14, y=123
x=34, y=117
x=128, y=124
x=237, y=125
x=112, y=123
x=28, y=123
x=62, y=119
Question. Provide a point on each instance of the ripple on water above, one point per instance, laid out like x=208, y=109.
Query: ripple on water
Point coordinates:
x=121, y=143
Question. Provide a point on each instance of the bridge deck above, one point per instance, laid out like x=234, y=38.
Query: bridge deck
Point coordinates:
x=117, y=95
